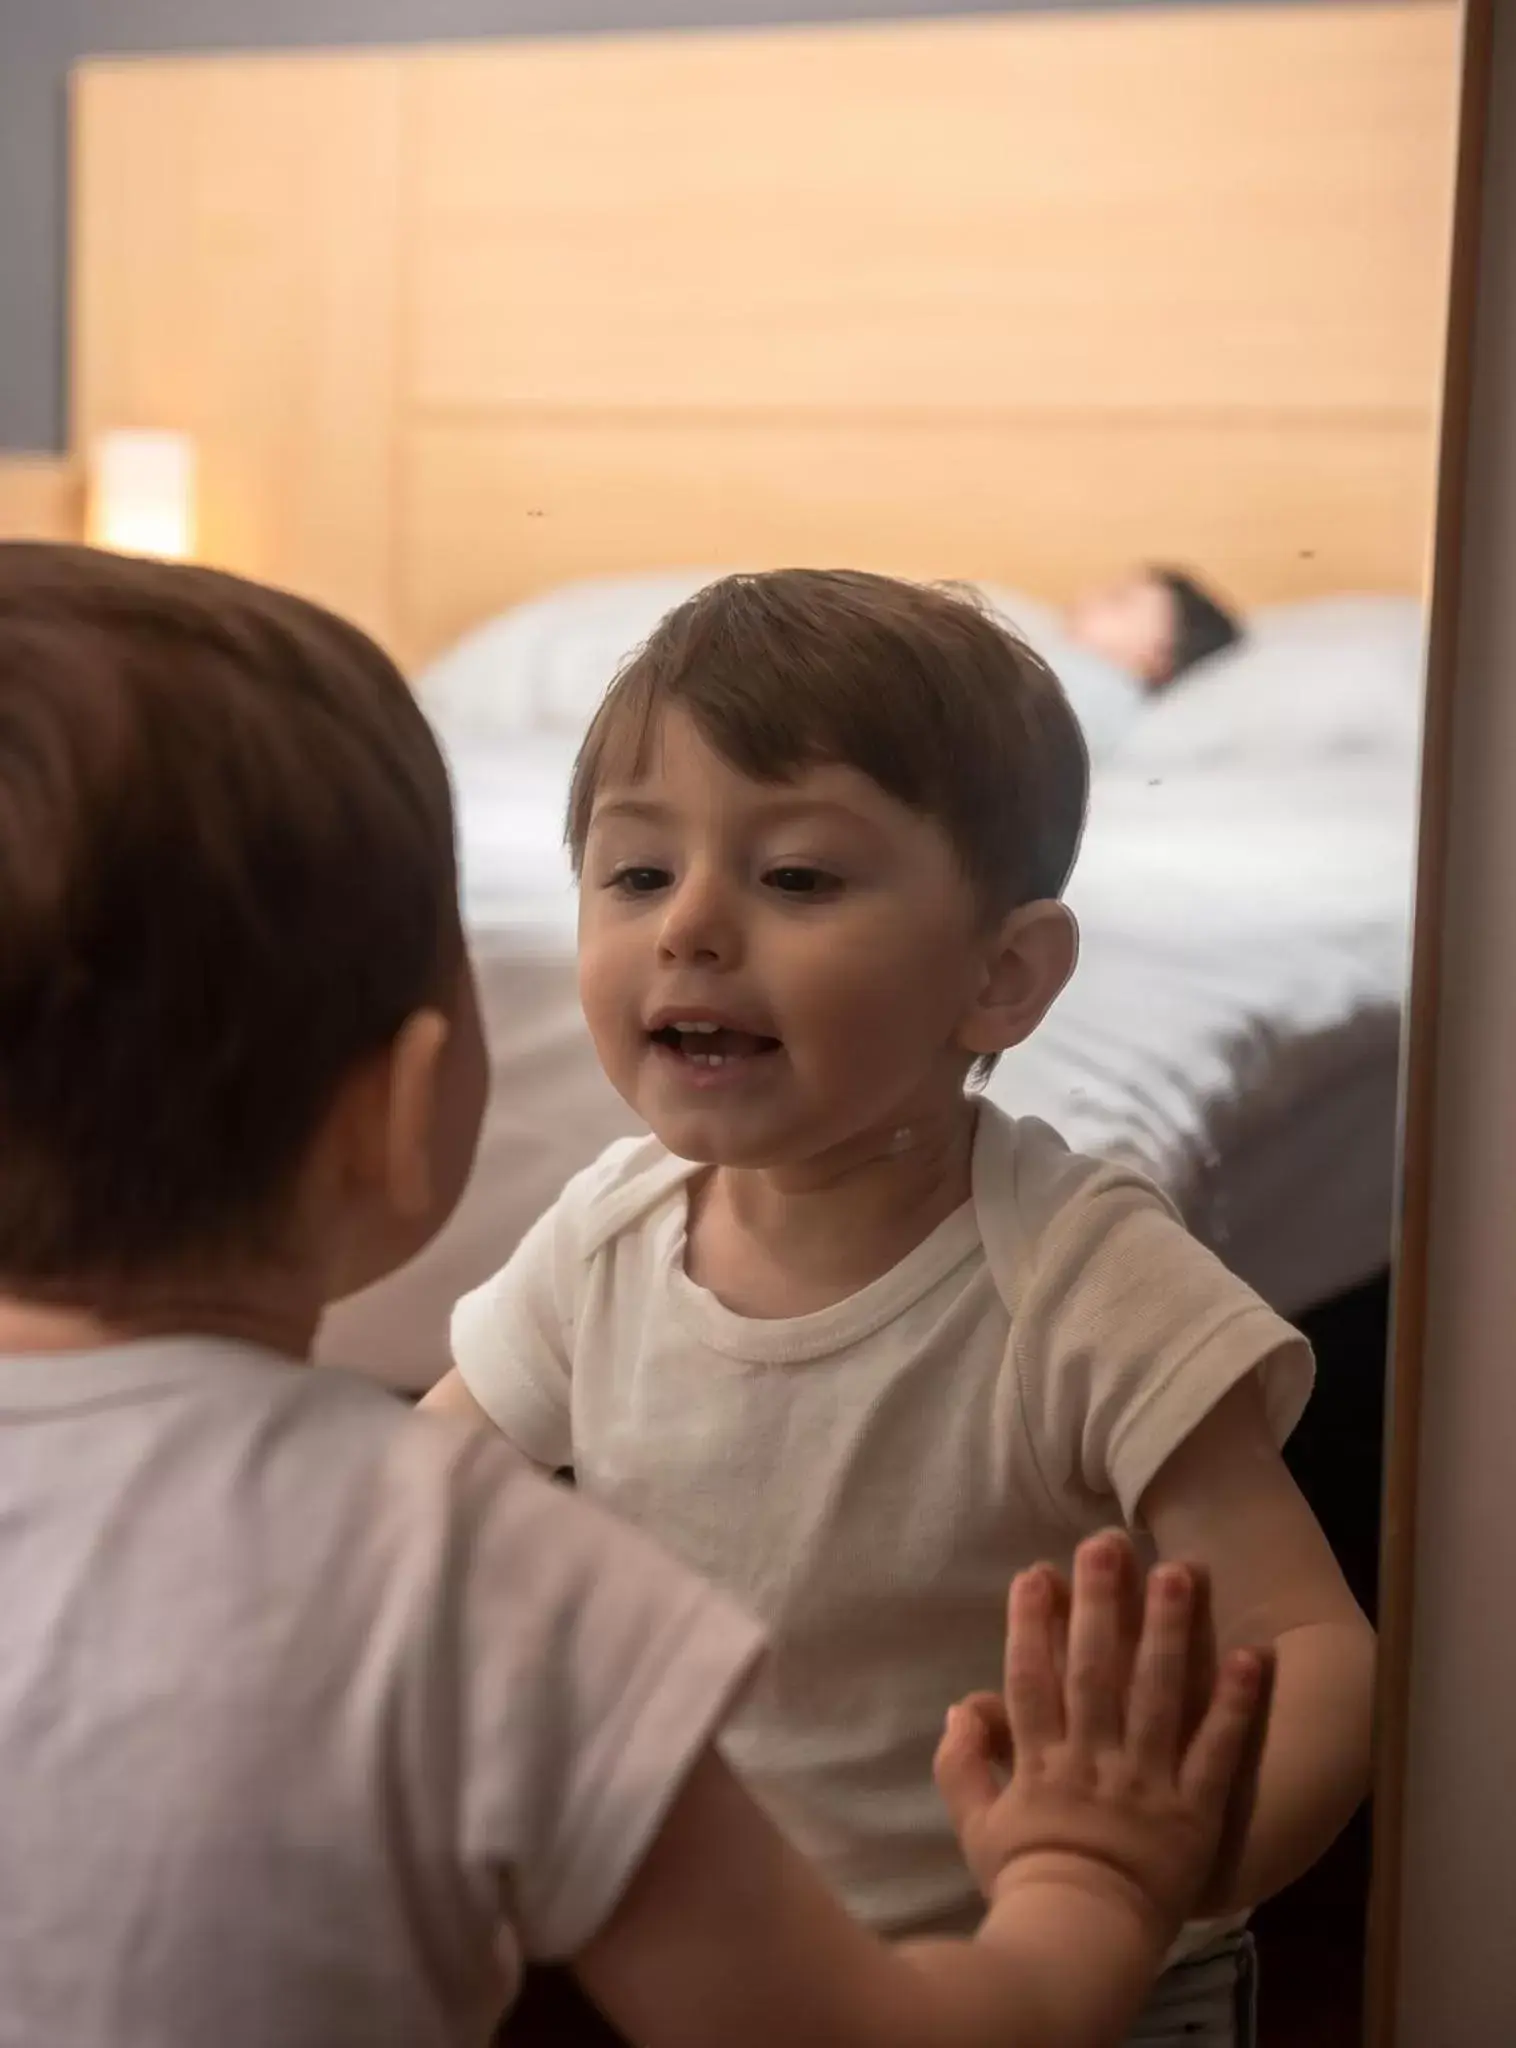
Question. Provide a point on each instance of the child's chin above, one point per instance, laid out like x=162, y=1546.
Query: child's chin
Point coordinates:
x=708, y=1139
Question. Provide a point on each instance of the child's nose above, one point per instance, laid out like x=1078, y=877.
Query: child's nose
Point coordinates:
x=701, y=923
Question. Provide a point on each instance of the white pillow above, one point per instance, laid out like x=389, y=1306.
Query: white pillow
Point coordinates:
x=1338, y=621
x=1028, y=616
x=1310, y=683
x=545, y=665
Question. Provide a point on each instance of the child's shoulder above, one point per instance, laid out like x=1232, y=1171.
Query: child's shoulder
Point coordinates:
x=1028, y=1182
x=631, y=1181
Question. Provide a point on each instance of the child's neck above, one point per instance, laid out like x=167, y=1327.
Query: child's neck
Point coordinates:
x=779, y=1242
x=273, y=1316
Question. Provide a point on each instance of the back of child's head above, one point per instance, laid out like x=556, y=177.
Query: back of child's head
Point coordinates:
x=916, y=686
x=226, y=878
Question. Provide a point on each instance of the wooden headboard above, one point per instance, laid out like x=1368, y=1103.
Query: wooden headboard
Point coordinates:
x=41, y=498
x=1021, y=299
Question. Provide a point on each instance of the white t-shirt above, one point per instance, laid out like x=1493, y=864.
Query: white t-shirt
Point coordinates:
x=866, y=1479
x=316, y=1716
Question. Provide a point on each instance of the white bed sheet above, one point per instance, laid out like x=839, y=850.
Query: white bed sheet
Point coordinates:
x=1232, y=1028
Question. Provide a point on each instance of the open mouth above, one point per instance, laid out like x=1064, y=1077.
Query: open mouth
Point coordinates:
x=712, y=1045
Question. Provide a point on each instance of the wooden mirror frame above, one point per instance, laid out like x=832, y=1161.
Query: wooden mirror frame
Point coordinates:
x=1467, y=398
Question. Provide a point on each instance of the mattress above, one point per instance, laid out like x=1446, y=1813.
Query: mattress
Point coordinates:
x=1232, y=1028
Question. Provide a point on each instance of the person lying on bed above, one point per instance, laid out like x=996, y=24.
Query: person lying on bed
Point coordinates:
x=1153, y=625
x=314, y=1717
x=842, y=1335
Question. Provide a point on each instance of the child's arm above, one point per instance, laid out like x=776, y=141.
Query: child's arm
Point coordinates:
x=1226, y=1500
x=511, y=1369
x=1100, y=1840
x=451, y=1396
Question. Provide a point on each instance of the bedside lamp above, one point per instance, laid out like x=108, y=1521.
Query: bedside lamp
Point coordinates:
x=142, y=494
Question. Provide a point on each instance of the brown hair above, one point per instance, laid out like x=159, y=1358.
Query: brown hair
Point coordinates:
x=916, y=686
x=226, y=875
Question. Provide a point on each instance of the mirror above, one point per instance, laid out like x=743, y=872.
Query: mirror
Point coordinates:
x=1133, y=319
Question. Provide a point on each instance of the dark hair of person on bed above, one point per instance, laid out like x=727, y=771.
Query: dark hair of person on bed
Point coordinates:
x=226, y=876
x=1202, y=625
x=916, y=686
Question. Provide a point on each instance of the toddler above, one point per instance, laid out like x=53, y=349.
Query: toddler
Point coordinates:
x=847, y=1339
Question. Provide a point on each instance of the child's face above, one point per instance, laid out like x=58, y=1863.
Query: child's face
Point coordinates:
x=826, y=930
x=1133, y=624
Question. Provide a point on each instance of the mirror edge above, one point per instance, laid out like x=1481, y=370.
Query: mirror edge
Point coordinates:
x=1398, y=1522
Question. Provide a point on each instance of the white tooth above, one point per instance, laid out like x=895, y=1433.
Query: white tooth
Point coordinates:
x=707, y=1059
x=697, y=1027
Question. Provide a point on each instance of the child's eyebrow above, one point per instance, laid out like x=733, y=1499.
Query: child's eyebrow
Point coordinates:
x=637, y=810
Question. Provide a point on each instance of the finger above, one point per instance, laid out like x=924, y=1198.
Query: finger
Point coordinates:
x=1130, y=1593
x=1033, y=1696
x=1095, y=1690
x=1056, y=1588
x=1062, y=1602
x=964, y=1769
x=1157, y=1712
x=1233, y=1730
x=1203, y=1654
x=1243, y=1795
x=988, y=1708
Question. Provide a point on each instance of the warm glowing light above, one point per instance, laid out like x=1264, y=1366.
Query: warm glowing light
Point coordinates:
x=142, y=494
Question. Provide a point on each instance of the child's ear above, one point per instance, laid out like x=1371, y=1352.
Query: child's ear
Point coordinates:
x=373, y=1174
x=408, y=1165
x=1029, y=963
x=384, y=1121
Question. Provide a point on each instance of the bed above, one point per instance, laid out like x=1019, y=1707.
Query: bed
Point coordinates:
x=1243, y=894
x=500, y=339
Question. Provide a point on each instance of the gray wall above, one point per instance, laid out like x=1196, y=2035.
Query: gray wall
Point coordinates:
x=41, y=39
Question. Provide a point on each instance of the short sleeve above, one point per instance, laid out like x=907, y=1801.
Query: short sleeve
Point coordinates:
x=1127, y=1335
x=593, y=1671
x=511, y=1340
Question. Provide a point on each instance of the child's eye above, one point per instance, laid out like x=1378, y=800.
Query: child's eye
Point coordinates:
x=797, y=881
x=638, y=881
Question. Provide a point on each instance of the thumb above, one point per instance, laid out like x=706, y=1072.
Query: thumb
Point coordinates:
x=964, y=1769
